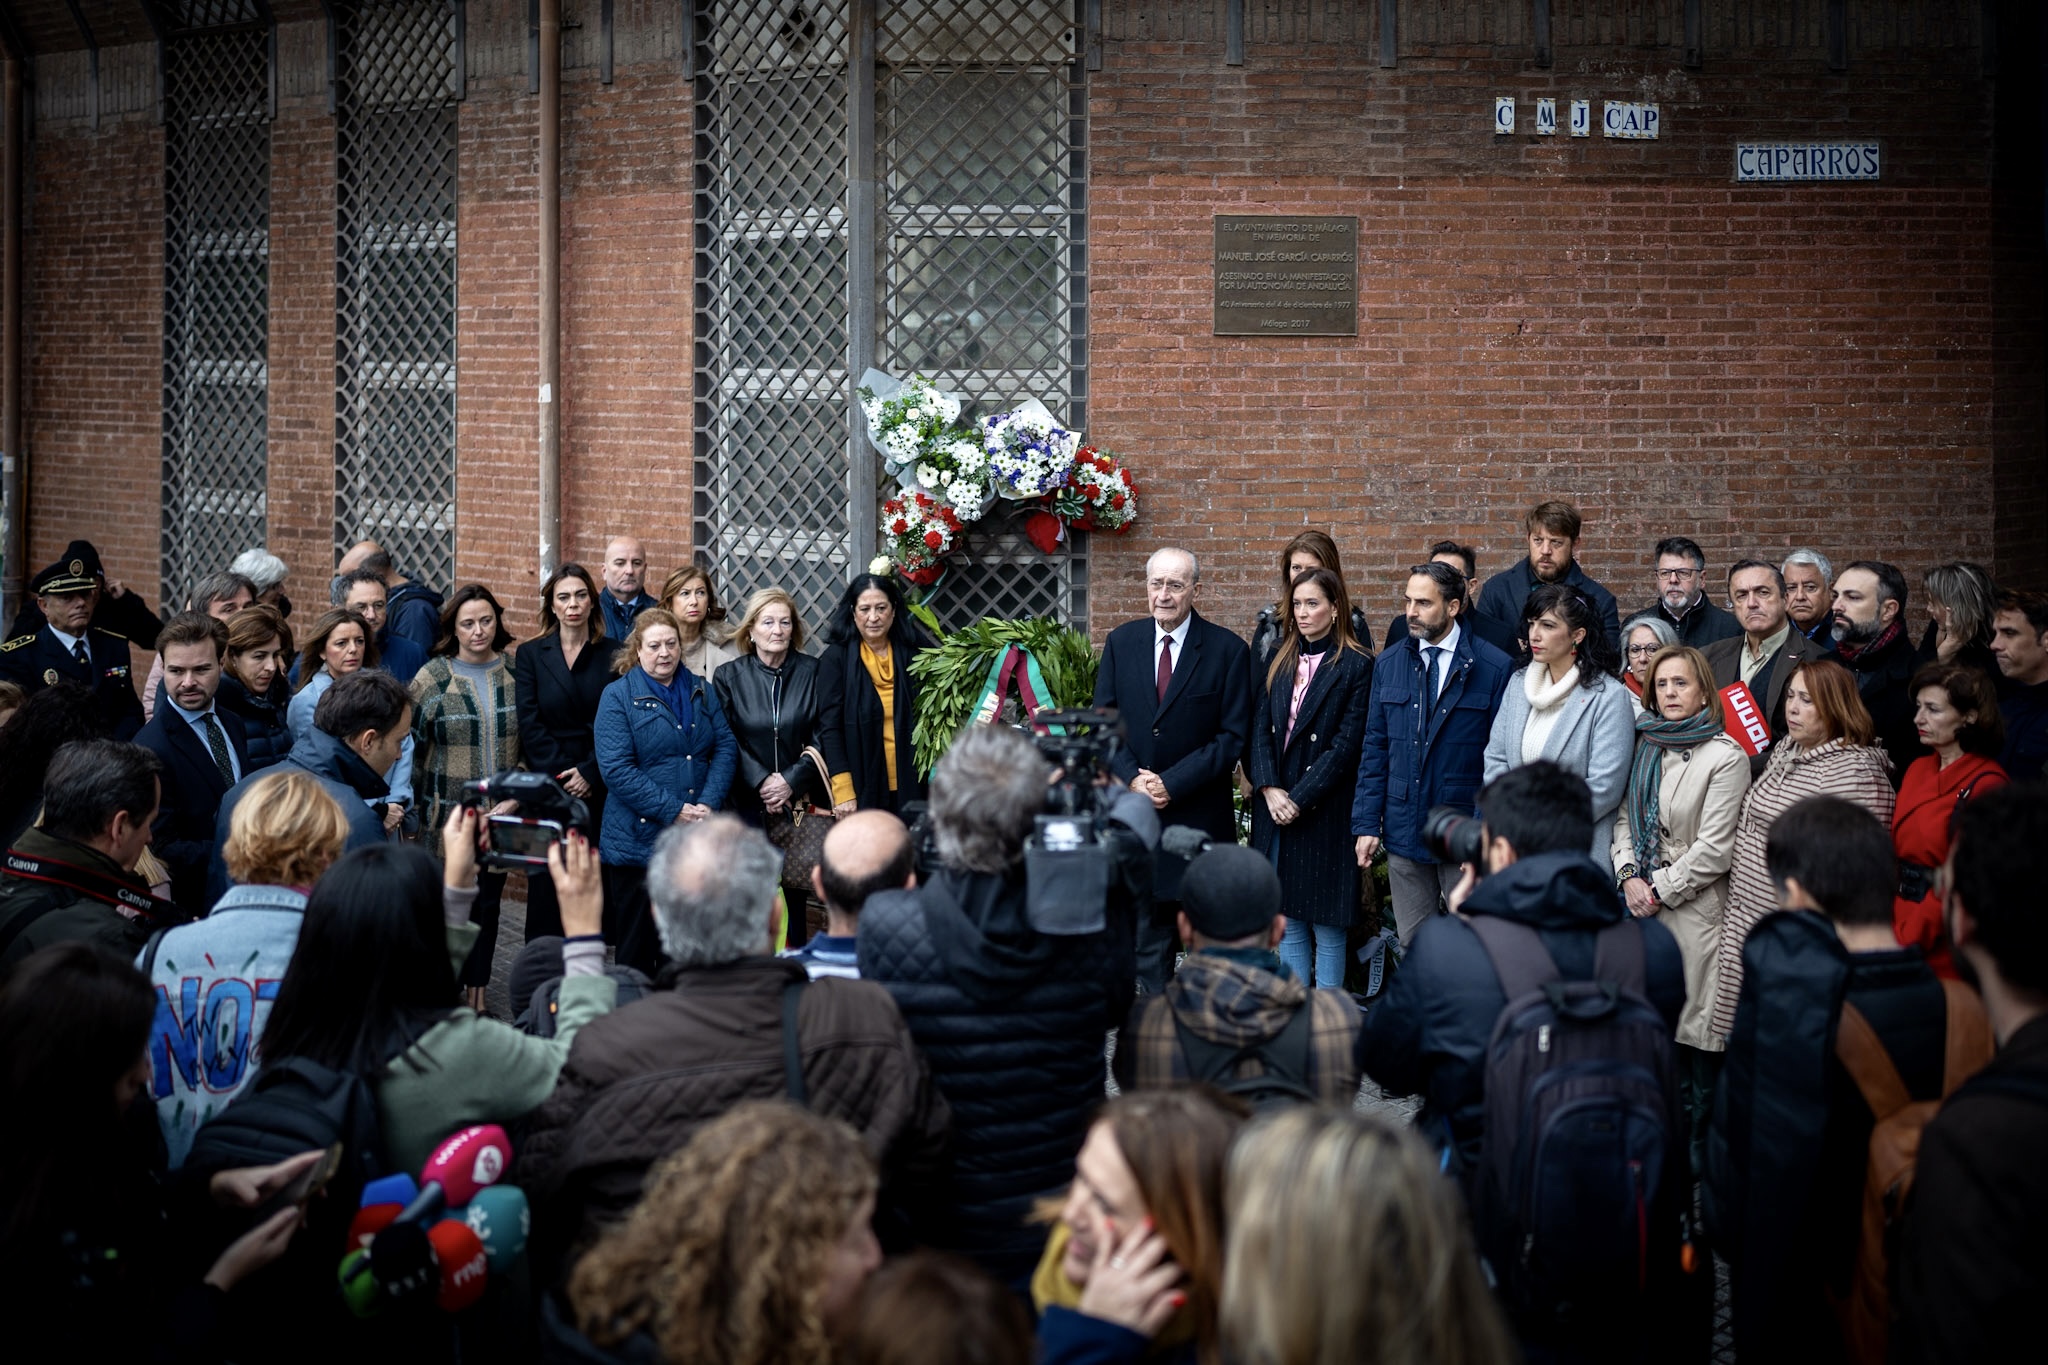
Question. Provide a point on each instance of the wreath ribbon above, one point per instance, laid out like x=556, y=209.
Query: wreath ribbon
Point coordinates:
x=1017, y=667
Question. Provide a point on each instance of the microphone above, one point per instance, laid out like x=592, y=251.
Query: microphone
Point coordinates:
x=501, y=1219
x=358, y=1285
x=402, y=1263
x=464, y=1268
x=398, y=1189
x=465, y=1162
x=368, y=1222
x=1183, y=841
x=1178, y=846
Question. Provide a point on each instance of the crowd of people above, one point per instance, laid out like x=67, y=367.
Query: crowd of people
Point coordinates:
x=1689, y=928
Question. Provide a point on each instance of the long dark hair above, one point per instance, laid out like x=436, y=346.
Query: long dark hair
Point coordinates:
x=74, y=1018
x=371, y=972
x=549, y=624
x=1332, y=587
x=446, y=644
x=46, y=722
x=1596, y=658
x=904, y=630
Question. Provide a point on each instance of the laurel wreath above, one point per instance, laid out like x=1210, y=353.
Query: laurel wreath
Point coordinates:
x=952, y=674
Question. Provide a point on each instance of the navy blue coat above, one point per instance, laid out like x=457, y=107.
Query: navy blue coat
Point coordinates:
x=193, y=788
x=266, y=726
x=1429, y=1035
x=653, y=767
x=1508, y=591
x=1013, y=1023
x=350, y=781
x=1195, y=736
x=1401, y=771
x=413, y=612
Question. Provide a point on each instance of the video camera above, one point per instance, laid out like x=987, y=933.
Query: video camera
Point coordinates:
x=520, y=842
x=1072, y=859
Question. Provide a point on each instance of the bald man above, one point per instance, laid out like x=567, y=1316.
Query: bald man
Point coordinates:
x=625, y=585
x=865, y=854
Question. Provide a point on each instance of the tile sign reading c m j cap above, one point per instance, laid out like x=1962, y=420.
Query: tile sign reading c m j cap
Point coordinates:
x=1286, y=276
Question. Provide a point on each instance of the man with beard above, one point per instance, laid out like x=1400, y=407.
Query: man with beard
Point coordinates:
x=1809, y=598
x=1870, y=638
x=1553, y=549
x=1682, y=594
x=1769, y=649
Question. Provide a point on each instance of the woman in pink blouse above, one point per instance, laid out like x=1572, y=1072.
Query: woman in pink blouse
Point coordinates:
x=1303, y=763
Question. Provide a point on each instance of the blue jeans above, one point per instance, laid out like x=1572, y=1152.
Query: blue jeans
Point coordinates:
x=1329, y=953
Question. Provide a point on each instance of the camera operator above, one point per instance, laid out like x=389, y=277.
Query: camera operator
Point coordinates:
x=1431, y=1034
x=1012, y=1015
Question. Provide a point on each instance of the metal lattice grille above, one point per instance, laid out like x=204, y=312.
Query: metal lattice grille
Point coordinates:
x=978, y=123
x=216, y=293
x=398, y=75
x=771, y=268
x=981, y=130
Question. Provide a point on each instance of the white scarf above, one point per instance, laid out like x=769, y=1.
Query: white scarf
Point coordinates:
x=1546, y=704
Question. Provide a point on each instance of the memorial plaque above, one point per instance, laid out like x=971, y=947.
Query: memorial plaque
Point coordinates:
x=1286, y=276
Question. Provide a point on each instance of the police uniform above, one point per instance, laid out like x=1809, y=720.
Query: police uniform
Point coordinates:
x=39, y=659
x=127, y=615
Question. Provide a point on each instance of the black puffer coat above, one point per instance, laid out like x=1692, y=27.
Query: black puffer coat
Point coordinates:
x=264, y=726
x=1013, y=1024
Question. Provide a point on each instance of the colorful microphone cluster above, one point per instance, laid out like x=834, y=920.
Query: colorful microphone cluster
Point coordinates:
x=438, y=1239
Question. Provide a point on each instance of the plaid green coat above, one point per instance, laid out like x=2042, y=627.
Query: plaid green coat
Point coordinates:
x=448, y=738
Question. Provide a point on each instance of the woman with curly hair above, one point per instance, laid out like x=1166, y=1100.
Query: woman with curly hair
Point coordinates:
x=750, y=1247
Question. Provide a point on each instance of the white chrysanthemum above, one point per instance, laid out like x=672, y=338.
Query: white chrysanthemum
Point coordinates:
x=964, y=495
x=930, y=478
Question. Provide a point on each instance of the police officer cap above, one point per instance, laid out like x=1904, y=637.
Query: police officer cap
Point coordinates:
x=76, y=570
x=1230, y=892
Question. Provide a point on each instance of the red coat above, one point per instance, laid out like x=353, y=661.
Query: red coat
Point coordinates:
x=1920, y=830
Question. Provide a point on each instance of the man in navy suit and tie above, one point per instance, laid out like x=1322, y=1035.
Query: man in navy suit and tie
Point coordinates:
x=204, y=750
x=1433, y=699
x=1183, y=687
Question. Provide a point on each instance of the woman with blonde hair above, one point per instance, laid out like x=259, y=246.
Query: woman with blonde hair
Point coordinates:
x=1133, y=1269
x=1961, y=602
x=749, y=1247
x=1347, y=1244
x=283, y=834
x=1830, y=749
x=1674, y=841
x=692, y=599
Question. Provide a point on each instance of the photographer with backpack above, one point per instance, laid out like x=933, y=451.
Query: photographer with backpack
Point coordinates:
x=1536, y=1022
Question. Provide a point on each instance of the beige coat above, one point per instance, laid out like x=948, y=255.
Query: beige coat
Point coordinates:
x=1699, y=802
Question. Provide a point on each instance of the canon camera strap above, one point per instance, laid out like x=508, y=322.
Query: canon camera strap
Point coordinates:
x=98, y=885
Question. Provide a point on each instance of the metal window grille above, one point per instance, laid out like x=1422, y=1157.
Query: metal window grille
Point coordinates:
x=966, y=266
x=980, y=138
x=398, y=78
x=216, y=73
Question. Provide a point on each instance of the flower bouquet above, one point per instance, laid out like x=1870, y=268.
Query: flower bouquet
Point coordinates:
x=1104, y=495
x=917, y=429
x=1029, y=454
x=921, y=531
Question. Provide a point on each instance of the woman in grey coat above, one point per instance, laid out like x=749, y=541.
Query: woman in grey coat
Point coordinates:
x=1567, y=705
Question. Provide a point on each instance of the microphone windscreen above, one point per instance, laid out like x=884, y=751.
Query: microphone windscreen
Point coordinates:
x=368, y=1222
x=468, y=1161
x=463, y=1265
x=1182, y=841
x=402, y=1259
x=400, y=1189
x=501, y=1219
x=358, y=1286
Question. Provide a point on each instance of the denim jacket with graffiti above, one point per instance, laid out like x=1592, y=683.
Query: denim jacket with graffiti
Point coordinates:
x=215, y=980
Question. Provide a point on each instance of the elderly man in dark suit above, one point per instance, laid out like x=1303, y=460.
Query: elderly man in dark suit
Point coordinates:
x=1183, y=687
x=1770, y=647
x=203, y=748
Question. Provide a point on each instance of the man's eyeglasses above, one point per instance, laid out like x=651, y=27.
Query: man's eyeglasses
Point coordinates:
x=1166, y=585
x=1677, y=575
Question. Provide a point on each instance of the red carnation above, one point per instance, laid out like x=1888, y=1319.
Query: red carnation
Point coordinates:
x=1117, y=501
x=933, y=539
x=898, y=526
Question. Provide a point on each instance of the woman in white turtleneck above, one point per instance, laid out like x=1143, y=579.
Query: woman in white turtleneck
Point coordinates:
x=1567, y=705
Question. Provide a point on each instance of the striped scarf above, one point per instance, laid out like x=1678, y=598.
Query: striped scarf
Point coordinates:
x=1646, y=776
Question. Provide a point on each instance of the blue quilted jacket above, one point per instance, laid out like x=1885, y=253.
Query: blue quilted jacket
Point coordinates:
x=652, y=766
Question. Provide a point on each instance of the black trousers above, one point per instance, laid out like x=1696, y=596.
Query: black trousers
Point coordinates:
x=629, y=919
x=490, y=896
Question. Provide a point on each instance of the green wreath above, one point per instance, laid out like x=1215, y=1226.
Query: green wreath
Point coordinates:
x=952, y=674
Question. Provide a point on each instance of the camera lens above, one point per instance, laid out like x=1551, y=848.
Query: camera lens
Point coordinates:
x=1451, y=836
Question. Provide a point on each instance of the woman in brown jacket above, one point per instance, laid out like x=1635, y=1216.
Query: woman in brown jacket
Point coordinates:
x=1674, y=841
x=1830, y=749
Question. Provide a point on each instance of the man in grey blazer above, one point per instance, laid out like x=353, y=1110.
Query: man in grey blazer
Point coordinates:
x=1769, y=649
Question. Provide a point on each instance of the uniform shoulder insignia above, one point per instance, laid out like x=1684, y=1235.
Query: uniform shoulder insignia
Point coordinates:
x=17, y=642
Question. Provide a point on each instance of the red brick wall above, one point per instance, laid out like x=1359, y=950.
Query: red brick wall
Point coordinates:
x=93, y=263
x=1611, y=323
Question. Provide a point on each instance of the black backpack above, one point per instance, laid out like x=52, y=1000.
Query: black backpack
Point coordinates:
x=294, y=1105
x=1582, y=1123
x=1285, y=1057
x=538, y=1018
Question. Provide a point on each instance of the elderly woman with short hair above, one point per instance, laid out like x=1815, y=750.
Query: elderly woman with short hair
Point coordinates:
x=1642, y=636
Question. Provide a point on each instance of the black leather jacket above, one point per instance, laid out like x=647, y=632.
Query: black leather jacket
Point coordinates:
x=773, y=713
